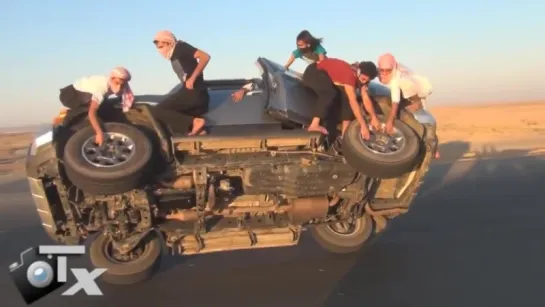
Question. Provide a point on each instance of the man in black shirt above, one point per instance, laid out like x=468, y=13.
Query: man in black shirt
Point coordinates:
x=188, y=63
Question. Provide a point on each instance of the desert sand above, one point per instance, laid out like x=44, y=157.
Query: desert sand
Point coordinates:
x=475, y=124
x=13, y=147
x=491, y=123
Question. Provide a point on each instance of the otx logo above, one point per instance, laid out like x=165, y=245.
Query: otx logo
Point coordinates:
x=43, y=270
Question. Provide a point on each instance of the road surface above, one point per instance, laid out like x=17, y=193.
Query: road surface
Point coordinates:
x=474, y=237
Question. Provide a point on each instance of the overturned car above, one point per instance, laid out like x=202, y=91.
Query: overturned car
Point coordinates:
x=254, y=181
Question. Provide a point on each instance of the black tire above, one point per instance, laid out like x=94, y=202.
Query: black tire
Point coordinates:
x=126, y=273
x=107, y=180
x=376, y=165
x=344, y=243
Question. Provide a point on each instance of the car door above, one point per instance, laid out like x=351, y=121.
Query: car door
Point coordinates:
x=288, y=99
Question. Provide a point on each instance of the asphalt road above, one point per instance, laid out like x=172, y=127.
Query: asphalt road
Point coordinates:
x=474, y=237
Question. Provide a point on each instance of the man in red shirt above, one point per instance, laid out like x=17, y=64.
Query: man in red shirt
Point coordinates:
x=334, y=80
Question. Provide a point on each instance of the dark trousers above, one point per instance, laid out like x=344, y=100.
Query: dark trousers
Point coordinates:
x=330, y=99
x=74, y=99
x=189, y=102
x=178, y=109
x=77, y=101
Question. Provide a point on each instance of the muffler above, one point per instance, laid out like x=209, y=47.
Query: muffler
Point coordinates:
x=303, y=210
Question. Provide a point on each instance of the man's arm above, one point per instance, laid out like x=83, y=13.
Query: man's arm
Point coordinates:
x=290, y=61
x=393, y=112
x=367, y=103
x=93, y=118
x=250, y=86
x=395, y=91
x=321, y=57
x=203, y=58
x=184, y=49
x=353, y=100
x=97, y=92
x=320, y=50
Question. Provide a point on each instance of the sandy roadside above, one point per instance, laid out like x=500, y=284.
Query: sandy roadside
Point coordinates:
x=505, y=123
x=13, y=149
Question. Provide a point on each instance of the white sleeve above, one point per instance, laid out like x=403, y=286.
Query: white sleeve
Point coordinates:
x=98, y=98
x=97, y=86
x=98, y=91
x=249, y=86
x=395, y=90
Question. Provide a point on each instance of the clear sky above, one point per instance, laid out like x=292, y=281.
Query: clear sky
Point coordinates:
x=473, y=51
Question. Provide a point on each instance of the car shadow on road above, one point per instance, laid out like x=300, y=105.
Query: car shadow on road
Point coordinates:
x=450, y=152
x=475, y=241
x=172, y=259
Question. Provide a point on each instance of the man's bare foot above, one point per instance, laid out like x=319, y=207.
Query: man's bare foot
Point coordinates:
x=318, y=129
x=198, y=124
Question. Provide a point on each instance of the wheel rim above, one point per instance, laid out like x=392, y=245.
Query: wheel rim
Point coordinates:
x=347, y=228
x=116, y=150
x=382, y=143
x=114, y=256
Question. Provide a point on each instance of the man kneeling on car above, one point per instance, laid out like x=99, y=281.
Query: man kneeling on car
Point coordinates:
x=333, y=80
x=87, y=94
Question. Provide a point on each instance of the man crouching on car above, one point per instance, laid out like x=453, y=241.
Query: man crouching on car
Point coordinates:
x=87, y=94
x=333, y=80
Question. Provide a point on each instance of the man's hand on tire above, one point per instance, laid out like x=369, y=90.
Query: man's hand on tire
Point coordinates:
x=365, y=133
x=99, y=138
x=375, y=123
x=390, y=127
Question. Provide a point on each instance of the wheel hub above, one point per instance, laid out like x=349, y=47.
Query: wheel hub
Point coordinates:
x=116, y=150
x=381, y=142
x=115, y=255
x=346, y=228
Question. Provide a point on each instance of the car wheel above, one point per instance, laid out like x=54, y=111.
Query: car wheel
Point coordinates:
x=118, y=167
x=344, y=237
x=137, y=266
x=382, y=156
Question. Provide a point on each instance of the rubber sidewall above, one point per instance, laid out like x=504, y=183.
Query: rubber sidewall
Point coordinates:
x=343, y=244
x=377, y=165
x=107, y=180
x=137, y=271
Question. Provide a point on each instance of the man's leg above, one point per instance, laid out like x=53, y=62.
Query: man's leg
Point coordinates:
x=77, y=103
x=186, y=103
x=325, y=91
x=172, y=102
x=342, y=114
x=168, y=112
x=200, y=107
x=346, y=114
